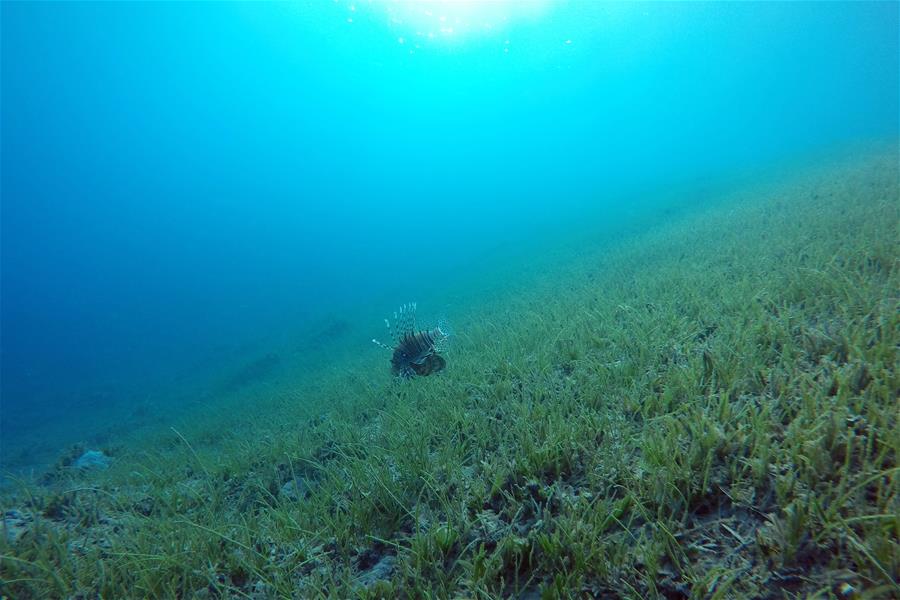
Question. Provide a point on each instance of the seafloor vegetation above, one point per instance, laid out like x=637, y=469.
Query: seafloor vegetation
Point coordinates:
x=708, y=409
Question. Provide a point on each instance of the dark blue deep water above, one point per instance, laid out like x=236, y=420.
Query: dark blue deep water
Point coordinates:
x=186, y=186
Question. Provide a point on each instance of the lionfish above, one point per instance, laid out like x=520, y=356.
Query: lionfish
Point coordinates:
x=415, y=352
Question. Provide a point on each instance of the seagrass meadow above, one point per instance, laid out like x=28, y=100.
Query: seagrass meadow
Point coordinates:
x=704, y=407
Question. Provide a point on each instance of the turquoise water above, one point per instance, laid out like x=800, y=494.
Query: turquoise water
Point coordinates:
x=188, y=187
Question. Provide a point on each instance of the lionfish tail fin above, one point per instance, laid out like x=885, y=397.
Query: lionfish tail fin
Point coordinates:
x=442, y=335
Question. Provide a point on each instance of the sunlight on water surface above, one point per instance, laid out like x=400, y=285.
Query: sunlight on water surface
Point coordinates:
x=419, y=22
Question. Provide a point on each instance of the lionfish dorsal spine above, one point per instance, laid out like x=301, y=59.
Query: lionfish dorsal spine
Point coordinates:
x=406, y=320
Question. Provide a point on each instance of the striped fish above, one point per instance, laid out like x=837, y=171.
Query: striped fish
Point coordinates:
x=414, y=351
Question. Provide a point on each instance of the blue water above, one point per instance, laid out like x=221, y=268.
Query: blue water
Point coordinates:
x=182, y=184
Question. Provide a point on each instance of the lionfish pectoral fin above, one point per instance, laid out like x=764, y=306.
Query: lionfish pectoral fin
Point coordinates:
x=421, y=360
x=377, y=343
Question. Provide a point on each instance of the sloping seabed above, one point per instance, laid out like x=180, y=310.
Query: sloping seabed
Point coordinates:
x=708, y=409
